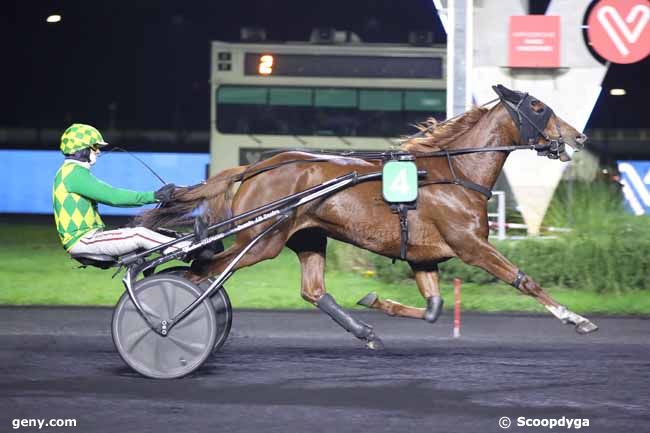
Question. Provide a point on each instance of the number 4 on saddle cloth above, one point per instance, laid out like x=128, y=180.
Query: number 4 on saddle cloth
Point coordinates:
x=400, y=191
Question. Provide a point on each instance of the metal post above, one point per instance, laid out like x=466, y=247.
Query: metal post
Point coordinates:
x=500, y=214
x=457, y=283
x=459, y=55
x=451, y=67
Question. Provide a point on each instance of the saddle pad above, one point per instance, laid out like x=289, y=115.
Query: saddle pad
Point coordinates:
x=400, y=181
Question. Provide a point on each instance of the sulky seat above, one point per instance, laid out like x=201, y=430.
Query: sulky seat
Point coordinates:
x=101, y=261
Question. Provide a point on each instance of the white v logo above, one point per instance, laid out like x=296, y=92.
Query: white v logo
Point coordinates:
x=607, y=14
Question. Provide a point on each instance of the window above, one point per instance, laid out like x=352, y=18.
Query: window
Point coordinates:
x=380, y=100
x=242, y=95
x=290, y=96
x=324, y=111
x=422, y=100
x=335, y=98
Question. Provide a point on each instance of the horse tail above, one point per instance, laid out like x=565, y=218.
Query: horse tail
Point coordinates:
x=215, y=195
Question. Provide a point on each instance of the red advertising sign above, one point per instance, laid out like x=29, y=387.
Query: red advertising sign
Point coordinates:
x=619, y=30
x=534, y=41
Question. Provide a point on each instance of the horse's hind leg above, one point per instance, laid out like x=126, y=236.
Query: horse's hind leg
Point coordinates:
x=427, y=280
x=489, y=258
x=310, y=246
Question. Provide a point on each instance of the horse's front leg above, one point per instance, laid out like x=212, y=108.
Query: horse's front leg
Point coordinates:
x=481, y=253
x=428, y=281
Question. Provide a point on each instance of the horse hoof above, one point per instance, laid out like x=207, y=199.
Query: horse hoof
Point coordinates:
x=375, y=343
x=586, y=327
x=434, y=309
x=368, y=300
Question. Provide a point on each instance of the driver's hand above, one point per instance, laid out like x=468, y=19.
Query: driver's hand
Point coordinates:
x=166, y=193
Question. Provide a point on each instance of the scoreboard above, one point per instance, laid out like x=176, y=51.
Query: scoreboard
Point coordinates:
x=309, y=65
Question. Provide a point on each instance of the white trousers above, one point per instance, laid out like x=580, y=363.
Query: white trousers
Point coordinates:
x=122, y=241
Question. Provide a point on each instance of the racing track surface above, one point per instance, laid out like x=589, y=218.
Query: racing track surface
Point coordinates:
x=298, y=372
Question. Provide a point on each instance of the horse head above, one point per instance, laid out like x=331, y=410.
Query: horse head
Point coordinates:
x=538, y=125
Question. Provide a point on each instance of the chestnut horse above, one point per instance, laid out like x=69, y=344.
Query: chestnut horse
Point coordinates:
x=450, y=219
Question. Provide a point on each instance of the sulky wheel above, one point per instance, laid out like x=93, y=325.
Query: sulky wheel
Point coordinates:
x=220, y=301
x=188, y=344
x=223, y=312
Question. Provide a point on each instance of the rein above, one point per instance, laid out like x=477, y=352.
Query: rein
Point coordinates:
x=455, y=180
x=389, y=155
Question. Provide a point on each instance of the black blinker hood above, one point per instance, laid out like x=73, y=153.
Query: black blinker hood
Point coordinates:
x=509, y=95
x=529, y=122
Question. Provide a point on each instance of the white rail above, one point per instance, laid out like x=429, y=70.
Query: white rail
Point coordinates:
x=500, y=214
x=501, y=225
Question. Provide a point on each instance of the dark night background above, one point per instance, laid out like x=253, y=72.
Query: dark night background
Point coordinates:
x=149, y=59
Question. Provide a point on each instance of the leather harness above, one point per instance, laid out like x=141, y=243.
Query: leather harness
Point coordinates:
x=531, y=125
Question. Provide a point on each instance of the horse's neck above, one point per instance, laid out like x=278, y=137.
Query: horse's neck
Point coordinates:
x=491, y=131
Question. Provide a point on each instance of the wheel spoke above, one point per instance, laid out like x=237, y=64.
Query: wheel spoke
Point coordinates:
x=147, y=309
x=135, y=338
x=189, y=320
x=165, y=295
x=196, y=348
x=157, y=357
x=172, y=303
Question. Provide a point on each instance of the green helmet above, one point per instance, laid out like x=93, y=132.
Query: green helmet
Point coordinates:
x=79, y=136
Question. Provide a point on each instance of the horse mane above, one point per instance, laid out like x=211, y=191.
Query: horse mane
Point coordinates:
x=439, y=135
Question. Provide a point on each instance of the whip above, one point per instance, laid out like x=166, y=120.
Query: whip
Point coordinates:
x=140, y=161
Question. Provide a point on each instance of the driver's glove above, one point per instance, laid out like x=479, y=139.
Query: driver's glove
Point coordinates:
x=166, y=193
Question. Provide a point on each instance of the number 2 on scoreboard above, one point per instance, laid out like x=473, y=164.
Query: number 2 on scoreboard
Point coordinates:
x=266, y=65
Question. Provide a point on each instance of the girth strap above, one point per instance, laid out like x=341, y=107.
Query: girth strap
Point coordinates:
x=404, y=230
x=401, y=210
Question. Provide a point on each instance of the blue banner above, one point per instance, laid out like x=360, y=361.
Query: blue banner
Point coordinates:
x=635, y=178
x=26, y=176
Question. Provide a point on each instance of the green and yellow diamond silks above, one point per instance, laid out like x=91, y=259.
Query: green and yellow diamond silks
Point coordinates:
x=79, y=136
x=74, y=215
x=400, y=182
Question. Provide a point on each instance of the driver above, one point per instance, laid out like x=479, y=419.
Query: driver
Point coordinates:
x=77, y=191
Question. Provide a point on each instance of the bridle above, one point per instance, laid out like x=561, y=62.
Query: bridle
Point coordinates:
x=530, y=125
x=535, y=124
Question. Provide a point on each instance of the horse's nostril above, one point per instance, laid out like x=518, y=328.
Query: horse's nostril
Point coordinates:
x=581, y=138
